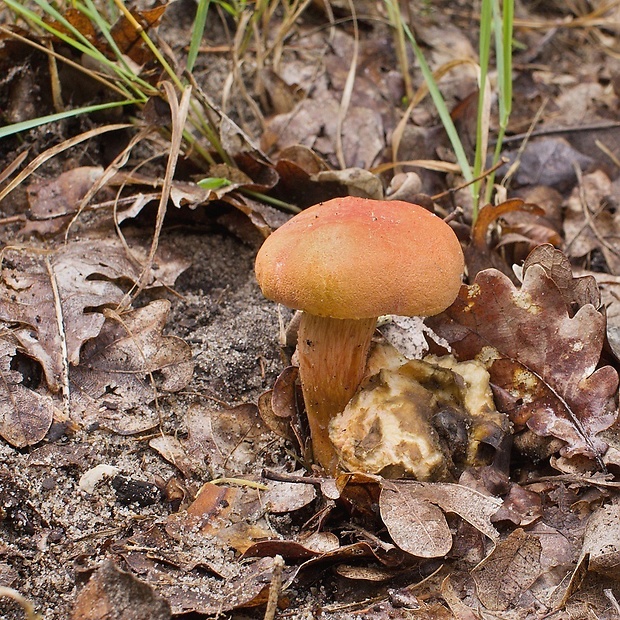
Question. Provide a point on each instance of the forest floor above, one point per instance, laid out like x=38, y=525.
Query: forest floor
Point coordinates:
x=147, y=471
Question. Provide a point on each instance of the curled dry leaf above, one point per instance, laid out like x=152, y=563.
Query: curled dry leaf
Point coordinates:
x=220, y=442
x=478, y=255
x=413, y=513
x=113, y=593
x=39, y=292
x=118, y=368
x=591, y=222
x=512, y=567
x=601, y=542
x=25, y=415
x=541, y=359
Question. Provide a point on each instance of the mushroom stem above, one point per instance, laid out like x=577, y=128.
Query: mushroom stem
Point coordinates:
x=332, y=357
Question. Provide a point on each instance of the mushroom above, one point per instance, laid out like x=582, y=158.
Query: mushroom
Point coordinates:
x=344, y=263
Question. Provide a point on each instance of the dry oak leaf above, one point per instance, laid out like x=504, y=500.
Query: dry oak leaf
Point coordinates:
x=117, y=370
x=601, y=541
x=81, y=275
x=41, y=291
x=542, y=361
x=413, y=513
x=509, y=571
x=113, y=593
x=25, y=415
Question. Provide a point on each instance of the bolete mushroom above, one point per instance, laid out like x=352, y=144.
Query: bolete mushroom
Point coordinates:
x=344, y=263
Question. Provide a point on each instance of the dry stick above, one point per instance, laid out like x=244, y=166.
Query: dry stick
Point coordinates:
x=274, y=588
x=552, y=131
x=55, y=80
x=56, y=150
x=179, y=113
x=603, y=147
x=13, y=166
x=62, y=334
x=481, y=176
x=348, y=88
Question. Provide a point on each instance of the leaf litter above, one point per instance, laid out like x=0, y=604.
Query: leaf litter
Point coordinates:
x=168, y=504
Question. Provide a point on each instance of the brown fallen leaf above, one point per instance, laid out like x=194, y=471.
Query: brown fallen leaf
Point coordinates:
x=283, y=497
x=25, y=415
x=416, y=525
x=113, y=593
x=541, y=359
x=188, y=592
x=512, y=567
x=195, y=572
x=478, y=255
x=591, y=222
x=225, y=442
x=68, y=287
x=53, y=202
x=413, y=513
x=577, y=291
x=115, y=375
x=601, y=542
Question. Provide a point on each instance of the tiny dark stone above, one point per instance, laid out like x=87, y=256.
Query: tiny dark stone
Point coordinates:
x=129, y=491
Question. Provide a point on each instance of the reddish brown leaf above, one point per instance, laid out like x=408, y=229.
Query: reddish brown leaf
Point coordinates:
x=129, y=40
x=542, y=360
x=112, y=593
x=576, y=291
x=478, y=255
x=25, y=415
x=509, y=571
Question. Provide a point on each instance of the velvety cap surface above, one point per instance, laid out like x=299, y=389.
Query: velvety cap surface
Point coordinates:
x=354, y=258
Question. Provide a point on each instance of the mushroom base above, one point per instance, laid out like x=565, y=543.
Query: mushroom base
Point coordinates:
x=332, y=357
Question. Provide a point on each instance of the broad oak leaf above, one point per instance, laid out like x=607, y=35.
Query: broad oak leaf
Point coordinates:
x=542, y=361
x=39, y=292
x=125, y=366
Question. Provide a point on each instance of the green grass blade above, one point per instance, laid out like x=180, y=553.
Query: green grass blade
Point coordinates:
x=9, y=130
x=138, y=86
x=104, y=27
x=440, y=105
x=504, y=22
x=484, y=53
x=198, y=30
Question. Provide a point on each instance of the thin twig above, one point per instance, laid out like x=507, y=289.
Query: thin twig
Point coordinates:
x=62, y=335
x=484, y=173
x=27, y=606
x=348, y=88
x=274, y=588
